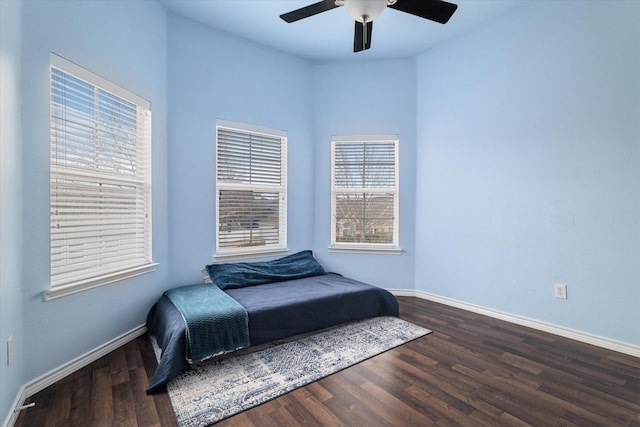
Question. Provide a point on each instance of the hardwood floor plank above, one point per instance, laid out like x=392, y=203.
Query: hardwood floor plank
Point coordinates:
x=320, y=412
x=380, y=394
x=280, y=418
x=471, y=371
x=133, y=355
x=60, y=406
x=145, y=408
x=601, y=405
x=124, y=413
x=102, y=402
x=346, y=404
x=298, y=411
x=320, y=393
x=118, y=368
x=445, y=395
x=81, y=409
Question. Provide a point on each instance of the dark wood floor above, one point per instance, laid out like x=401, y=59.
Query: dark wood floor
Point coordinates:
x=472, y=370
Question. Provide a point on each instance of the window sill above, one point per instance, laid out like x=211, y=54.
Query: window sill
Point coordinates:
x=63, y=291
x=250, y=255
x=366, y=250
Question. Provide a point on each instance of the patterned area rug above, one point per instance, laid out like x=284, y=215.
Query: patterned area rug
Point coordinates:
x=224, y=387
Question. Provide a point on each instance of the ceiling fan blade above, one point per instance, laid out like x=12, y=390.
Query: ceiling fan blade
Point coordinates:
x=362, y=40
x=434, y=10
x=307, y=11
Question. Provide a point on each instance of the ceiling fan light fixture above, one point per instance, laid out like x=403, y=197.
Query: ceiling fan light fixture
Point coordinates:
x=365, y=10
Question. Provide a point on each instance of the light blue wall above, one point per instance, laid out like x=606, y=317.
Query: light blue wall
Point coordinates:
x=356, y=98
x=529, y=166
x=11, y=377
x=124, y=42
x=216, y=76
x=518, y=153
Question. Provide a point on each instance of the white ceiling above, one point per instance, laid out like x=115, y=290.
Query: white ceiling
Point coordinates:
x=329, y=35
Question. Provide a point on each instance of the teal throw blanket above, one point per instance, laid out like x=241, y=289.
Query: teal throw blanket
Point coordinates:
x=215, y=322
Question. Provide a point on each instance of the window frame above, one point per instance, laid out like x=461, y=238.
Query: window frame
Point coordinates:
x=358, y=247
x=249, y=252
x=65, y=264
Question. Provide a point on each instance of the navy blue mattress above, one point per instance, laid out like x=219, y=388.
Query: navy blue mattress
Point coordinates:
x=276, y=310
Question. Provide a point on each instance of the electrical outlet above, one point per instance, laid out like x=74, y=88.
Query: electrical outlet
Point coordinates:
x=560, y=290
x=10, y=350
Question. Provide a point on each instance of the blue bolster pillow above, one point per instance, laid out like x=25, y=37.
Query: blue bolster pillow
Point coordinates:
x=241, y=274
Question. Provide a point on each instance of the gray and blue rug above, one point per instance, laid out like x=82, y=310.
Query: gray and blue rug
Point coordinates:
x=224, y=387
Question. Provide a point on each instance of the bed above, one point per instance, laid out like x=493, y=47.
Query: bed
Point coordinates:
x=275, y=309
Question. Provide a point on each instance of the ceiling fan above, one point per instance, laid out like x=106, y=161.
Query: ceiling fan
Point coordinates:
x=365, y=11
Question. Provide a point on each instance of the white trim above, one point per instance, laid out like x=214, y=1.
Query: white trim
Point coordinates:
x=63, y=291
x=12, y=416
x=79, y=362
x=585, y=337
x=402, y=292
x=355, y=249
x=56, y=374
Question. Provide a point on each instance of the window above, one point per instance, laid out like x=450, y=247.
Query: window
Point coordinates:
x=100, y=160
x=364, y=194
x=251, y=190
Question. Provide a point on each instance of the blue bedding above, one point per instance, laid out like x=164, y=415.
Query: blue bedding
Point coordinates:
x=205, y=308
x=241, y=274
x=275, y=310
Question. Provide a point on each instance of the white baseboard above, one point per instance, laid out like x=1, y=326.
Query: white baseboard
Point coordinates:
x=62, y=371
x=12, y=416
x=619, y=346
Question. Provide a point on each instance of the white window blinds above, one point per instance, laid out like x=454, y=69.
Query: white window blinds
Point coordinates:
x=251, y=190
x=364, y=178
x=100, y=138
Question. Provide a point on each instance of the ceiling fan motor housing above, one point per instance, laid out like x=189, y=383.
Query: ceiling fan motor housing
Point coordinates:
x=365, y=10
